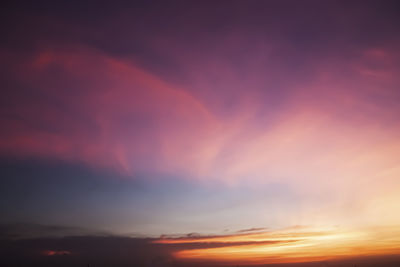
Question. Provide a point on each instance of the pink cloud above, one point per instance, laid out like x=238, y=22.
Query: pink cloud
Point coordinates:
x=103, y=111
x=56, y=252
x=314, y=134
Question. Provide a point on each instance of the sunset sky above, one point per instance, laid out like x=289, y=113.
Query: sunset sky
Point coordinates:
x=208, y=132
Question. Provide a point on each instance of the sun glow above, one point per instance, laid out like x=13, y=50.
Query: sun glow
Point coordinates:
x=292, y=245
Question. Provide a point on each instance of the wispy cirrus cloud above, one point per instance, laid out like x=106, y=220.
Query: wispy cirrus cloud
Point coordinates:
x=332, y=125
x=125, y=116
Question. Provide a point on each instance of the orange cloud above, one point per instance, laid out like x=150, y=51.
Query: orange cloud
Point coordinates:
x=291, y=245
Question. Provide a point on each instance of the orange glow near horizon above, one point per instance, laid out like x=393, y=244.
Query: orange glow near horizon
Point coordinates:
x=291, y=245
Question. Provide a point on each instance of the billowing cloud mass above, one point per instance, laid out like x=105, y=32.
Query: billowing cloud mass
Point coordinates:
x=302, y=97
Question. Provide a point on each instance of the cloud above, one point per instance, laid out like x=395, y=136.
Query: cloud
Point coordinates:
x=56, y=252
x=252, y=230
x=17, y=231
x=288, y=245
x=335, y=247
x=66, y=250
x=102, y=111
x=315, y=133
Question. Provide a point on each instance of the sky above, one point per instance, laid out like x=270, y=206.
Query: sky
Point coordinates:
x=207, y=132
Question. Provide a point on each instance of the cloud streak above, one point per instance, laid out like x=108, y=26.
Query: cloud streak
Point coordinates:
x=290, y=245
x=335, y=247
